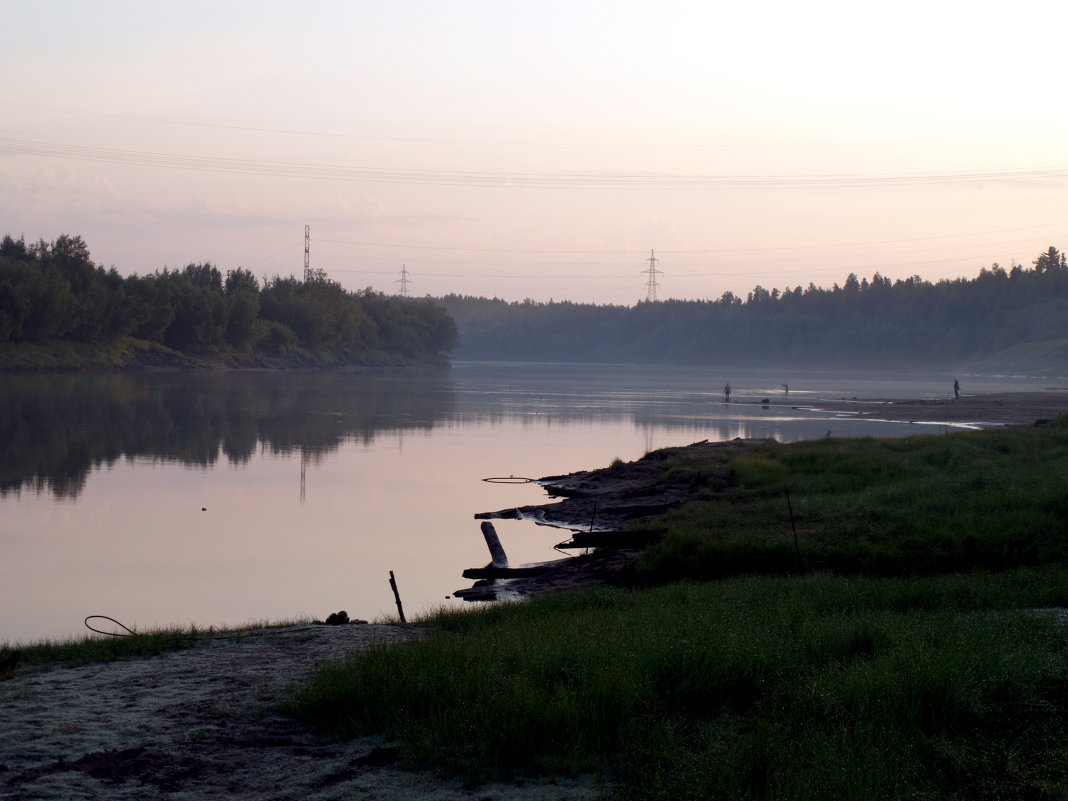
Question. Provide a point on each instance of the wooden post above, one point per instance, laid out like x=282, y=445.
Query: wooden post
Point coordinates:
x=790, y=506
x=393, y=584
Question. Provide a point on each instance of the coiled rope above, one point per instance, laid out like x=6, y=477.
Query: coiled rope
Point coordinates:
x=225, y=635
x=129, y=631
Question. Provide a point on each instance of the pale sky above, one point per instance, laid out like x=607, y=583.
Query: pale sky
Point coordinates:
x=540, y=149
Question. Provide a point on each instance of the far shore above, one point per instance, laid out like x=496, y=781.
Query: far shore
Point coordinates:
x=978, y=411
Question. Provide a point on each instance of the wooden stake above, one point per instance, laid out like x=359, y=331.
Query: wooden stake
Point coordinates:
x=790, y=506
x=393, y=584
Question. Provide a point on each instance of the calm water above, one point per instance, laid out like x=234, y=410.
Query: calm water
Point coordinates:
x=228, y=498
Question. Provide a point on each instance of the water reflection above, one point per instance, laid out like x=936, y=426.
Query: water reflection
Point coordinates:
x=162, y=498
x=56, y=428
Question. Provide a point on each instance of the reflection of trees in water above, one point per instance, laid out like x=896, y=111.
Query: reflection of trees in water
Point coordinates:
x=56, y=428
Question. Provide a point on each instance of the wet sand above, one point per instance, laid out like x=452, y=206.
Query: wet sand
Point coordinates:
x=977, y=411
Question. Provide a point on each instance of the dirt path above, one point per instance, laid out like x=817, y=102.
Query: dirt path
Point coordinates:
x=202, y=724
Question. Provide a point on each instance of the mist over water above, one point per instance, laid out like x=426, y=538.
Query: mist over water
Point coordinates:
x=222, y=498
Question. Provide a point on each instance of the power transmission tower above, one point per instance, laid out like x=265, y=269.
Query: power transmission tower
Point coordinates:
x=403, y=281
x=307, y=253
x=652, y=272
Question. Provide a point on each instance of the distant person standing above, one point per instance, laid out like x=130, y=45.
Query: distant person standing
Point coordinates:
x=956, y=388
x=727, y=393
x=785, y=389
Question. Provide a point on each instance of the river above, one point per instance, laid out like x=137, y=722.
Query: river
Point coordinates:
x=227, y=498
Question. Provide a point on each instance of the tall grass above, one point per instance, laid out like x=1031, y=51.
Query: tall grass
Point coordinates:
x=757, y=687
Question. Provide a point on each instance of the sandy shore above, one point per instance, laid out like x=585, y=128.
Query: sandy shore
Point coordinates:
x=980, y=411
x=203, y=724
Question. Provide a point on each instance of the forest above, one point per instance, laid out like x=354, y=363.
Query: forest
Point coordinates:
x=54, y=291
x=1000, y=318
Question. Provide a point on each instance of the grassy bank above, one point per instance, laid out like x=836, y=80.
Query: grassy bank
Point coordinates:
x=987, y=500
x=899, y=656
x=62, y=354
x=93, y=649
x=127, y=352
x=755, y=687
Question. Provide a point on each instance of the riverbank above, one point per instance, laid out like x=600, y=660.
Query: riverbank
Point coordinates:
x=941, y=685
x=128, y=353
x=204, y=723
x=968, y=411
x=828, y=618
x=607, y=500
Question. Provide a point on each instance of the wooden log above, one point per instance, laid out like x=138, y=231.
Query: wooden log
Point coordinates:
x=492, y=572
x=609, y=539
x=497, y=555
x=504, y=514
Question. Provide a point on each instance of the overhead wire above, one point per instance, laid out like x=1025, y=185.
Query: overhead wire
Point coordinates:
x=513, y=180
x=599, y=146
x=494, y=179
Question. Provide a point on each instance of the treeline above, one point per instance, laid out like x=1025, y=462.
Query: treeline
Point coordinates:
x=908, y=322
x=54, y=291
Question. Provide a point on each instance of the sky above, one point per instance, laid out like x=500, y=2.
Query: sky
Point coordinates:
x=540, y=150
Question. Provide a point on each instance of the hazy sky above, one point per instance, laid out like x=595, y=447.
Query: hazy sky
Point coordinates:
x=540, y=149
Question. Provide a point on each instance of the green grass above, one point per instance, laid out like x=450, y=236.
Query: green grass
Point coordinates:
x=755, y=687
x=918, y=506
x=91, y=649
x=1048, y=357
x=128, y=352
x=60, y=354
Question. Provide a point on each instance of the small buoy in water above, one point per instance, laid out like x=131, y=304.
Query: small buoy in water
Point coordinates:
x=203, y=508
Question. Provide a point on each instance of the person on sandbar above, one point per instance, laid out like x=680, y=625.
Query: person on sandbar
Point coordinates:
x=727, y=393
x=956, y=388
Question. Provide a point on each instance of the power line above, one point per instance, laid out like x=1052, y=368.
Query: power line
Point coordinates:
x=514, y=180
x=599, y=146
